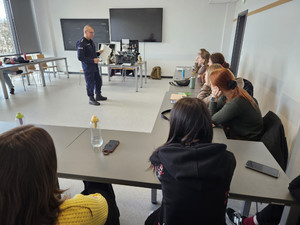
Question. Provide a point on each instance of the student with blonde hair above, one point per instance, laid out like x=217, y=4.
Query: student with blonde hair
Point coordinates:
x=202, y=64
x=205, y=91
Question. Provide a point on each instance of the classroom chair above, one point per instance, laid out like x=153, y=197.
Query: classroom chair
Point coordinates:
x=23, y=75
x=46, y=67
x=274, y=138
x=31, y=67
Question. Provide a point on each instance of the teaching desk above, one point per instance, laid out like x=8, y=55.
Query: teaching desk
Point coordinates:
x=136, y=66
x=35, y=61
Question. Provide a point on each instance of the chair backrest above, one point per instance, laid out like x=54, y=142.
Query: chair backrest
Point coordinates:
x=274, y=138
x=41, y=56
x=30, y=66
x=248, y=87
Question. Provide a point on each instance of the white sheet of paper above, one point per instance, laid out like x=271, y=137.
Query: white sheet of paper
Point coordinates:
x=106, y=53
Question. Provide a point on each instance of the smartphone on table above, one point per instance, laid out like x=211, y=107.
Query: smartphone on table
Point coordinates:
x=110, y=147
x=262, y=168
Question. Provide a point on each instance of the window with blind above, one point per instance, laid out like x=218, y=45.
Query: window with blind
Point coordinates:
x=18, y=34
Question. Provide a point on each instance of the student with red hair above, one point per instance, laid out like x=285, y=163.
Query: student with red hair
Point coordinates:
x=233, y=108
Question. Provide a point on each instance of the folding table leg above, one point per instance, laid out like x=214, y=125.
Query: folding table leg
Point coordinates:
x=246, y=208
x=154, y=196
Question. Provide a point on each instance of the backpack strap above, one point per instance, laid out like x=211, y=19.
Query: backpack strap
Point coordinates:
x=162, y=114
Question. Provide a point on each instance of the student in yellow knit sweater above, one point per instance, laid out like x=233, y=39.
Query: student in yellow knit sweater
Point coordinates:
x=29, y=193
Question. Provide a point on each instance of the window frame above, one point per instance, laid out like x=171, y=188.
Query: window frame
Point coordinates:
x=9, y=19
x=16, y=42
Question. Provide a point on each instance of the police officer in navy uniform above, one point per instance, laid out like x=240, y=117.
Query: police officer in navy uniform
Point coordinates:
x=86, y=53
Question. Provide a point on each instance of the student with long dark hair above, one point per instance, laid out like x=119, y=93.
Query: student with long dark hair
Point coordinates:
x=195, y=173
x=234, y=108
x=29, y=193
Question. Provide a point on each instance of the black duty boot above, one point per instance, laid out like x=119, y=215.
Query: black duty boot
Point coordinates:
x=100, y=98
x=12, y=91
x=92, y=101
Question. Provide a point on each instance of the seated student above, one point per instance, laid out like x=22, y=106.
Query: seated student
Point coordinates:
x=202, y=64
x=195, y=173
x=197, y=66
x=234, y=108
x=8, y=80
x=29, y=191
x=219, y=58
x=270, y=215
x=205, y=91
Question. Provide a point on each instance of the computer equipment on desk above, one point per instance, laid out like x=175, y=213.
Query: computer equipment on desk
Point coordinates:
x=129, y=51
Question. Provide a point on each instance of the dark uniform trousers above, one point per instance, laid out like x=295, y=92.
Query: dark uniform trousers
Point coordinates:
x=93, y=82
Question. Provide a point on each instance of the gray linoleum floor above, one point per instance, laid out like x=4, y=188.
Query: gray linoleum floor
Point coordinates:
x=64, y=102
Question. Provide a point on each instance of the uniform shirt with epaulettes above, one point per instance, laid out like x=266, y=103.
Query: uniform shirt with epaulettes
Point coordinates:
x=86, y=52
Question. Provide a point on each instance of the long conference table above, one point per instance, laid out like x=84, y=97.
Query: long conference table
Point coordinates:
x=35, y=61
x=129, y=163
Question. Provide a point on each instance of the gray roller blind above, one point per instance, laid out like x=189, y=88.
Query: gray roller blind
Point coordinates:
x=24, y=23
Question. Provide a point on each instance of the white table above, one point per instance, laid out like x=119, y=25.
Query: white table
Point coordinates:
x=62, y=136
x=129, y=163
x=35, y=61
x=137, y=66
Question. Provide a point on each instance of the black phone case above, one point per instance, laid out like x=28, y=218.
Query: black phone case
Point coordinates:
x=262, y=168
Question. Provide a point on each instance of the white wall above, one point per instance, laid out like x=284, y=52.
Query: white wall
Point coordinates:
x=187, y=26
x=270, y=59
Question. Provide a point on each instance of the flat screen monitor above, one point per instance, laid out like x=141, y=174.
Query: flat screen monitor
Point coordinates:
x=142, y=24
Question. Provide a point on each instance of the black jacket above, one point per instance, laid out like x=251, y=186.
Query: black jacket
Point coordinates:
x=195, y=183
x=294, y=188
x=274, y=138
x=86, y=52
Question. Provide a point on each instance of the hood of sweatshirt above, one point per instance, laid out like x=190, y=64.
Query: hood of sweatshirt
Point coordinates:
x=200, y=161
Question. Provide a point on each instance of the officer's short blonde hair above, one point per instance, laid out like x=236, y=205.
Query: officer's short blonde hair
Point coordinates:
x=86, y=28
